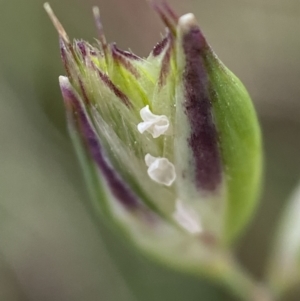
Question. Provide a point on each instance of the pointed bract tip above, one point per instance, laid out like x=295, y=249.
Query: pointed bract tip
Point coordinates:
x=64, y=82
x=97, y=18
x=66, y=90
x=188, y=29
x=56, y=23
x=96, y=10
x=187, y=21
x=164, y=5
x=166, y=14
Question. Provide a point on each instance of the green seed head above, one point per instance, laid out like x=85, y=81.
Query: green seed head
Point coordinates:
x=170, y=143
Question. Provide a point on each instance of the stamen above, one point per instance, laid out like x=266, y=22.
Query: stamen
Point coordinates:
x=160, y=170
x=187, y=218
x=156, y=125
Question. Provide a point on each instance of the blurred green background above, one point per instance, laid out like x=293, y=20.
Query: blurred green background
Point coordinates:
x=51, y=247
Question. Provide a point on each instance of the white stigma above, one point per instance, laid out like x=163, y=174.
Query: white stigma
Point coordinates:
x=160, y=170
x=156, y=125
x=187, y=218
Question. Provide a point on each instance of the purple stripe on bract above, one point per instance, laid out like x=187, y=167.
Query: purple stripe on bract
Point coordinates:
x=83, y=92
x=118, y=187
x=124, y=62
x=159, y=48
x=63, y=54
x=204, y=138
x=166, y=64
x=82, y=47
x=93, y=52
x=127, y=54
x=106, y=80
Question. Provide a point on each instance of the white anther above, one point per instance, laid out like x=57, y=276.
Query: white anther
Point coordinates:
x=187, y=218
x=156, y=125
x=160, y=170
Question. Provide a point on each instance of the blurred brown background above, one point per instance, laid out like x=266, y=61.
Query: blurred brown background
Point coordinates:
x=51, y=248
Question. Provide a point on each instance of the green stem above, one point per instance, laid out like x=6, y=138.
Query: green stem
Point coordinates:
x=241, y=283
